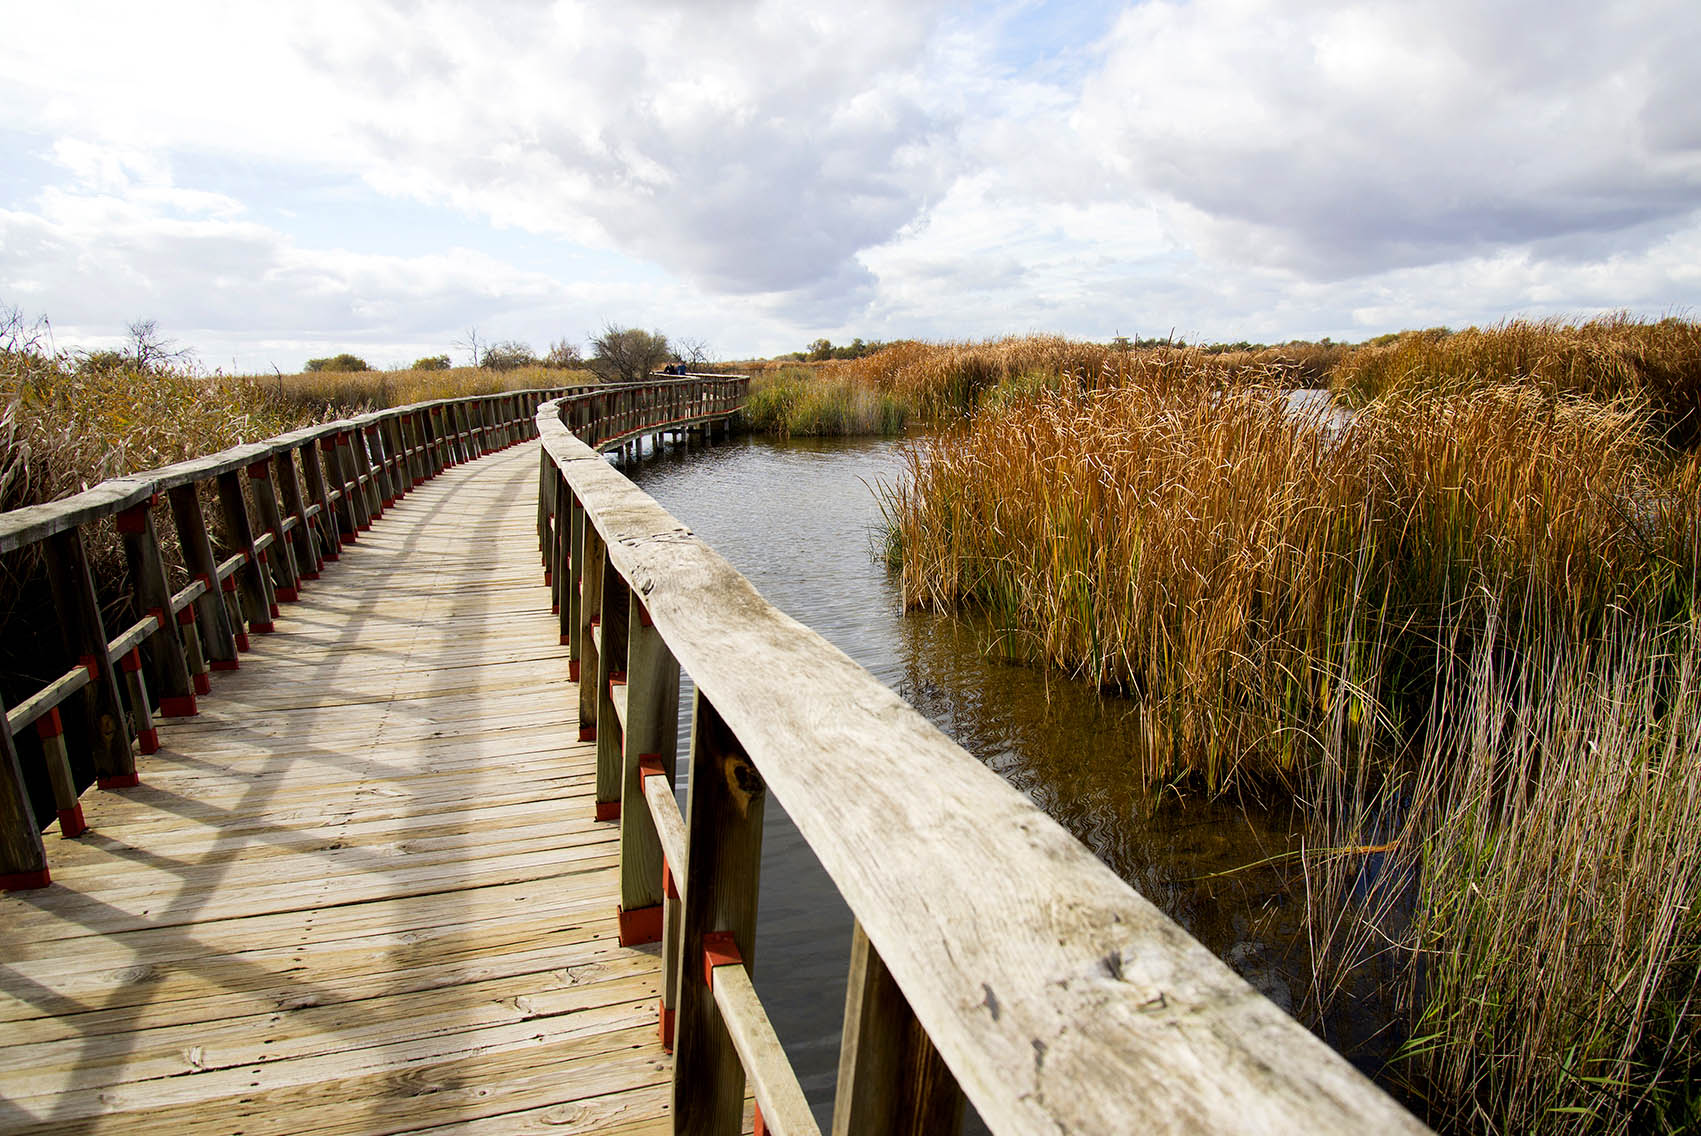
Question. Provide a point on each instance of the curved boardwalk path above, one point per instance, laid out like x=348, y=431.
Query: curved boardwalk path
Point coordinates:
x=362, y=891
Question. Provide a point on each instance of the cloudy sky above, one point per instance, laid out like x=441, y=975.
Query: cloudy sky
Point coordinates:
x=271, y=181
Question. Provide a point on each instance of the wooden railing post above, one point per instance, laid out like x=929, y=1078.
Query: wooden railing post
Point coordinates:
x=378, y=462
x=313, y=456
x=610, y=671
x=590, y=563
x=78, y=609
x=152, y=592
x=570, y=535
x=308, y=560
x=254, y=583
x=347, y=515
x=891, y=1079
x=650, y=734
x=280, y=557
x=723, y=863
x=401, y=473
x=23, y=859
x=218, y=634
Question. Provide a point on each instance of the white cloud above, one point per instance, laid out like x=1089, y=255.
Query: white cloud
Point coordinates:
x=758, y=172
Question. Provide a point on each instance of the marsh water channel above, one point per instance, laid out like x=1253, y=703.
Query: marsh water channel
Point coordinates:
x=801, y=520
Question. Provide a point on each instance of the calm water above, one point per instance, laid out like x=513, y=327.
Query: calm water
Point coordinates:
x=799, y=519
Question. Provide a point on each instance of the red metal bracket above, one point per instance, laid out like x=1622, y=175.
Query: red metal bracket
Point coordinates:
x=90, y=663
x=260, y=471
x=131, y=662
x=49, y=725
x=29, y=881
x=71, y=822
x=664, y=1024
x=133, y=520
x=608, y=810
x=640, y=925
x=124, y=780
x=719, y=949
x=179, y=705
x=669, y=888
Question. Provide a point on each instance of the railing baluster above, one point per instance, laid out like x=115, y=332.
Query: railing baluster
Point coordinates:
x=218, y=634
x=23, y=858
x=570, y=538
x=152, y=592
x=307, y=558
x=891, y=1079
x=610, y=670
x=280, y=557
x=590, y=610
x=78, y=609
x=651, y=732
x=253, y=581
x=724, y=826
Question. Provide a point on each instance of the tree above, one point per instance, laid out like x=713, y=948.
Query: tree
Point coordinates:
x=693, y=353
x=564, y=356
x=821, y=349
x=343, y=362
x=508, y=355
x=473, y=344
x=432, y=363
x=147, y=350
x=628, y=353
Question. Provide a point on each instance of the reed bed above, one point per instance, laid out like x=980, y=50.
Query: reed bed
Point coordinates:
x=1528, y=886
x=805, y=402
x=1609, y=357
x=1457, y=625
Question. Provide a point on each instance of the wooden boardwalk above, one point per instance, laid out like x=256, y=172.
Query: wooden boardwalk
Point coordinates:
x=362, y=891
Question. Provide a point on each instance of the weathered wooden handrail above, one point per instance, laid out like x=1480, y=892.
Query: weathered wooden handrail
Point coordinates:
x=286, y=505
x=992, y=950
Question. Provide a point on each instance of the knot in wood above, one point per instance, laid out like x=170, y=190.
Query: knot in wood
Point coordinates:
x=743, y=781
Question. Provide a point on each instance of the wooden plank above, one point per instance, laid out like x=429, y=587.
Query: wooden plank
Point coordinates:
x=769, y=1071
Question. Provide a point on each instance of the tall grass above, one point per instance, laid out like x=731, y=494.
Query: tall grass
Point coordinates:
x=813, y=402
x=1608, y=357
x=1185, y=536
x=1534, y=898
x=352, y=392
x=1459, y=626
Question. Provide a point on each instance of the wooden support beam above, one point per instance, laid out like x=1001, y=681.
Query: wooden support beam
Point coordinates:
x=167, y=659
x=218, y=634
x=313, y=456
x=727, y=801
x=611, y=668
x=98, y=706
x=591, y=557
x=651, y=731
x=23, y=859
x=305, y=548
x=891, y=1079
x=51, y=729
x=278, y=555
x=253, y=580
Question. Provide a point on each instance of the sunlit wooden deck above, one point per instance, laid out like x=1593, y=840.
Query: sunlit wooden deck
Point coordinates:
x=363, y=891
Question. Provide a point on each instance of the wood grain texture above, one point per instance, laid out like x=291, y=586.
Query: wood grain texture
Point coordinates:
x=1060, y=998
x=360, y=891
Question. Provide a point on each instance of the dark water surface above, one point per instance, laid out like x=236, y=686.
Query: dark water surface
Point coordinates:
x=800, y=519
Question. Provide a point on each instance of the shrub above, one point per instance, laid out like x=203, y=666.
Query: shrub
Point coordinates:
x=343, y=362
x=508, y=355
x=432, y=363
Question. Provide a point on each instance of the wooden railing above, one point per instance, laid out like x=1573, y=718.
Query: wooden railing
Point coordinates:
x=993, y=954
x=284, y=507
